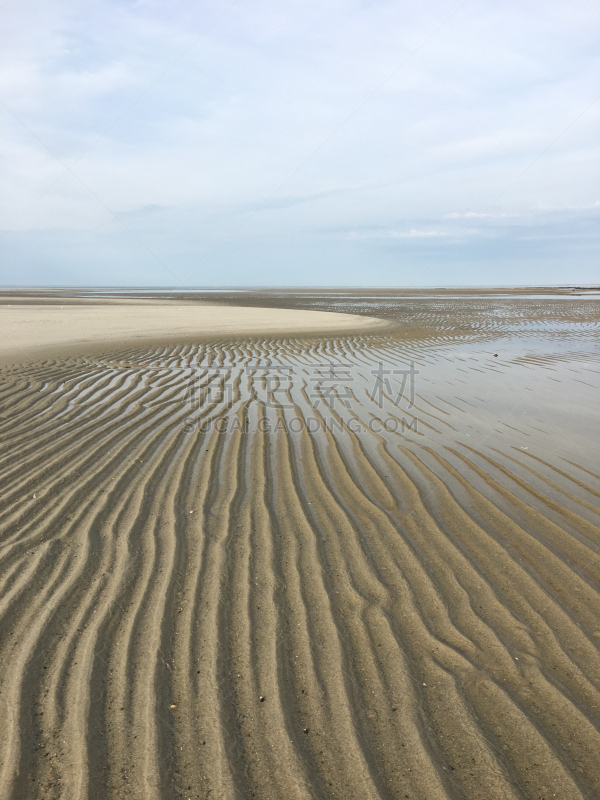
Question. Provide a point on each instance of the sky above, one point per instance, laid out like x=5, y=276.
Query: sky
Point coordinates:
x=312, y=143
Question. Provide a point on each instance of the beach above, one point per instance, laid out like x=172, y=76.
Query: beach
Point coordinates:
x=300, y=544
x=46, y=326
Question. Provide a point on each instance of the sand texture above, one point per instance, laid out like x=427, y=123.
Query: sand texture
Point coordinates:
x=28, y=328
x=339, y=566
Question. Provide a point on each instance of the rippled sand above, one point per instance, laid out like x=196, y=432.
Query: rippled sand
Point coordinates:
x=36, y=330
x=325, y=567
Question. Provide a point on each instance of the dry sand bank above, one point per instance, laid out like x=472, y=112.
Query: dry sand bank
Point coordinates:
x=26, y=328
x=241, y=569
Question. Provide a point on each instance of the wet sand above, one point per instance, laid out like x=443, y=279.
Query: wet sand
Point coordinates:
x=345, y=565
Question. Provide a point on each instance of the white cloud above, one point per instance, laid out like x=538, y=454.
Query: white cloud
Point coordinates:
x=317, y=106
x=414, y=234
x=472, y=215
x=411, y=234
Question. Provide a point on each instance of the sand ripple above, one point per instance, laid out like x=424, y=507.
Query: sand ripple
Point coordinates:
x=221, y=578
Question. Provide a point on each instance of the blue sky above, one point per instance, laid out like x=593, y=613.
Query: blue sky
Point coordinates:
x=299, y=143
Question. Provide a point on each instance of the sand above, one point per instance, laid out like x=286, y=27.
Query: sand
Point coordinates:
x=28, y=328
x=344, y=565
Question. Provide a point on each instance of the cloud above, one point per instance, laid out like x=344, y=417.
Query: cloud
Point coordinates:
x=473, y=215
x=411, y=234
x=414, y=234
x=182, y=121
